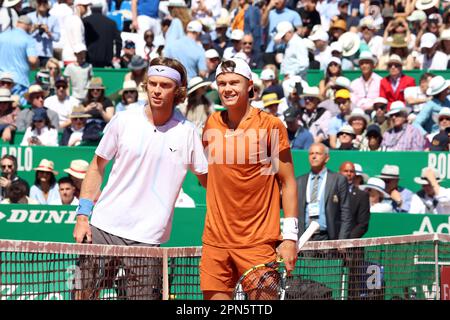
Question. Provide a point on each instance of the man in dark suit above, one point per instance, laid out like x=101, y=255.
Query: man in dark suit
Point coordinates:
x=360, y=209
x=323, y=196
x=359, y=202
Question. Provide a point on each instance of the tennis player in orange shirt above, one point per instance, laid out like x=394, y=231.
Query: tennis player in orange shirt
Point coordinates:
x=249, y=164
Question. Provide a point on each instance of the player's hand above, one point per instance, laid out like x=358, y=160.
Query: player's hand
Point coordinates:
x=82, y=230
x=288, y=252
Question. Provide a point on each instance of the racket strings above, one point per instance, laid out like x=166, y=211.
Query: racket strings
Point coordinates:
x=262, y=284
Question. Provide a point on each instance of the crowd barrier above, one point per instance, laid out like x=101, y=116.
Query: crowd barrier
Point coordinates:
x=56, y=223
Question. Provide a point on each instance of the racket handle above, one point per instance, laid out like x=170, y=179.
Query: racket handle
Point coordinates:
x=313, y=227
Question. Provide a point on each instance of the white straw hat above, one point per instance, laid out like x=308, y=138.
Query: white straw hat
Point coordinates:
x=376, y=184
x=78, y=168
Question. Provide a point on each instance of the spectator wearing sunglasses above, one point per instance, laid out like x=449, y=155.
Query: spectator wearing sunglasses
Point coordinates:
x=392, y=87
x=61, y=103
x=129, y=50
x=129, y=95
x=73, y=135
x=379, y=117
x=8, y=165
x=41, y=132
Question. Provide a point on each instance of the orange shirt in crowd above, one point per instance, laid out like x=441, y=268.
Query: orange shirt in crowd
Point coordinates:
x=243, y=194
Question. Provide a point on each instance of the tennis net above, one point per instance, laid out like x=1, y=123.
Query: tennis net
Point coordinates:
x=401, y=267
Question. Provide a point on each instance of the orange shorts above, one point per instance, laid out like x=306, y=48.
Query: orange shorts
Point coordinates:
x=221, y=268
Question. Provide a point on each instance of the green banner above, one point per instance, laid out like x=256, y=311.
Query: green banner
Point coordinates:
x=56, y=223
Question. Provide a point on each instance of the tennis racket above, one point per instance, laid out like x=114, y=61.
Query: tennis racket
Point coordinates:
x=268, y=281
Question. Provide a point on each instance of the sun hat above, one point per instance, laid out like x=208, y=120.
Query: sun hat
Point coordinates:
x=47, y=166
x=7, y=77
x=389, y=172
x=78, y=112
x=241, y=67
x=282, y=28
x=237, y=35
x=35, y=88
x=397, y=107
x=423, y=180
x=223, y=22
x=426, y=4
x=367, y=22
x=342, y=93
x=339, y=24
x=270, y=99
x=376, y=184
x=128, y=85
x=267, y=74
x=380, y=100
x=395, y=58
x=311, y=92
x=197, y=83
x=366, y=55
x=10, y=3
x=359, y=172
x=320, y=34
x=346, y=129
x=436, y=85
x=211, y=54
x=95, y=83
x=398, y=40
x=78, y=168
x=350, y=43
x=444, y=112
x=428, y=40
x=358, y=113
x=194, y=26
x=417, y=15
x=5, y=95
x=137, y=63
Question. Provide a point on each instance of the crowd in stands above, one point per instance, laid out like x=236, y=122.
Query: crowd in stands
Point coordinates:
x=282, y=40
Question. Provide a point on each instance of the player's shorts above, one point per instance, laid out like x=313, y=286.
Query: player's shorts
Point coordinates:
x=221, y=268
x=131, y=278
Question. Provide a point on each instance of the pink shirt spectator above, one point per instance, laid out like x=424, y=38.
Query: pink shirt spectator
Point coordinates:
x=364, y=92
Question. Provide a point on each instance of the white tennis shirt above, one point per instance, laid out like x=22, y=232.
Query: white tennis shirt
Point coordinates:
x=150, y=164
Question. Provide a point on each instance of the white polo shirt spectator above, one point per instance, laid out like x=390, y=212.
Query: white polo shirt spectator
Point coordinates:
x=61, y=103
x=439, y=59
x=323, y=51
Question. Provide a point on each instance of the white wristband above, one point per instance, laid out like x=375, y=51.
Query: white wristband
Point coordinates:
x=290, y=229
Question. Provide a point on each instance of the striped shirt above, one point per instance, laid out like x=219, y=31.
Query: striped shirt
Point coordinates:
x=409, y=138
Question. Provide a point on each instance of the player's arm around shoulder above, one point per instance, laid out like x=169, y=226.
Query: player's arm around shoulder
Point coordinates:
x=90, y=190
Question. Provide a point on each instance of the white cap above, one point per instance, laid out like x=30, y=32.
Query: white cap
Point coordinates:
x=194, y=26
x=82, y=2
x=79, y=47
x=336, y=46
x=237, y=35
x=417, y=15
x=241, y=68
x=282, y=28
x=211, y=54
x=347, y=129
x=368, y=22
x=267, y=74
x=344, y=82
x=7, y=77
x=380, y=100
x=445, y=34
x=428, y=40
x=335, y=60
x=320, y=34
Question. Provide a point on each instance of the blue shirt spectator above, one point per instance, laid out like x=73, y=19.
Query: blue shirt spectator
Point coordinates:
x=148, y=8
x=336, y=124
x=296, y=60
x=44, y=41
x=276, y=16
x=190, y=54
x=17, y=52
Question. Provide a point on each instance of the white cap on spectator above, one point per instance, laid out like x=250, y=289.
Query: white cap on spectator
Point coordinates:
x=417, y=15
x=428, y=40
x=445, y=34
x=335, y=60
x=360, y=172
x=397, y=107
x=7, y=77
x=82, y=2
x=194, y=26
x=237, y=35
x=358, y=113
x=320, y=34
x=395, y=58
x=267, y=74
x=346, y=129
x=344, y=82
x=380, y=100
x=211, y=54
x=282, y=28
x=367, y=55
x=241, y=68
x=5, y=95
x=368, y=22
x=176, y=3
x=426, y=4
x=445, y=112
x=436, y=85
x=336, y=46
